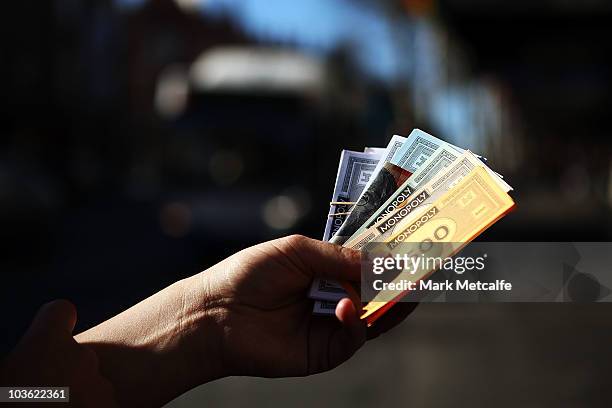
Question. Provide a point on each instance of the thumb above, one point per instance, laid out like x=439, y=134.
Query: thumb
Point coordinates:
x=325, y=260
x=56, y=318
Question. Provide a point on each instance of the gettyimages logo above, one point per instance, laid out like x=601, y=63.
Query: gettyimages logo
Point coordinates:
x=489, y=272
x=412, y=264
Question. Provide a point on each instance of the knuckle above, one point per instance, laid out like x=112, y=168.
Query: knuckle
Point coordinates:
x=349, y=254
x=296, y=240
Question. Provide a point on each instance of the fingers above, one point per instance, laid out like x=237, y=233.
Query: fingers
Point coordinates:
x=55, y=318
x=332, y=342
x=349, y=317
x=326, y=260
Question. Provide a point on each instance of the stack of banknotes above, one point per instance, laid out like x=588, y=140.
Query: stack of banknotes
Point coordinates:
x=381, y=192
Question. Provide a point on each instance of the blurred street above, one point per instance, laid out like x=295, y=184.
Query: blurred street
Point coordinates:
x=145, y=140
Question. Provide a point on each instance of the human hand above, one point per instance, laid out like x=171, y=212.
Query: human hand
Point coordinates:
x=258, y=300
x=48, y=355
x=247, y=315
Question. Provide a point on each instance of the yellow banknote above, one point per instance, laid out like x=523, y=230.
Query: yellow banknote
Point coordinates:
x=394, y=222
x=456, y=218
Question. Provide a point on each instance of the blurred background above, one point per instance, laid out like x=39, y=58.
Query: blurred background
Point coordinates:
x=144, y=140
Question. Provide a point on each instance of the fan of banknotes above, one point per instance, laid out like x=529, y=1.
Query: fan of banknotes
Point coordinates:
x=380, y=193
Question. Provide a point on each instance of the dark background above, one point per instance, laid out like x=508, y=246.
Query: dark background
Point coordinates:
x=122, y=171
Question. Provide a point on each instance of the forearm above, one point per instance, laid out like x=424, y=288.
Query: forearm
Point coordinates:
x=159, y=348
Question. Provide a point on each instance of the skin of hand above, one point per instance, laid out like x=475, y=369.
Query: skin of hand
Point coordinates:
x=48, y=355
x=247, y=315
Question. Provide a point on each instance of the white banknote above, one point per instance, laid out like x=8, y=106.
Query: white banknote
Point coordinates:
x=348, y=188
x=416, y=150
x=354, y=172
x=428, y=159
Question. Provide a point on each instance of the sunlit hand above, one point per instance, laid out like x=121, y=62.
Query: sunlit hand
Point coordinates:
x=247, y=315
x=258, y=298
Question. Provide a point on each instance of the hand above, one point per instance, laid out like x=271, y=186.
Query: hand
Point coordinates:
x=247, y=315
x=259, y=300
x=48, y=355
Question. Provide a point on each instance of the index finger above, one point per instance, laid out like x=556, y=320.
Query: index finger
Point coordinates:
x=325, y=260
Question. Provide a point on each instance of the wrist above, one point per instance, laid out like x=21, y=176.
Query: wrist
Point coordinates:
x=161, y=347
x=201, y=328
